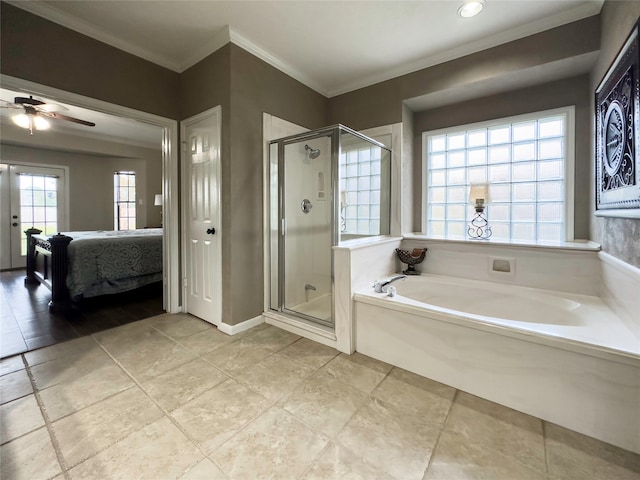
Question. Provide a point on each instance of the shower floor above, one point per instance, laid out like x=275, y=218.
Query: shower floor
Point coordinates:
x=318, y=308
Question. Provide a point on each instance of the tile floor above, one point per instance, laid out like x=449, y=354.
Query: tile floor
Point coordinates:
x=171, y=397
x=26, y=323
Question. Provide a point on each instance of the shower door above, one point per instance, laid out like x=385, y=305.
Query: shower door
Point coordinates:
x=306, y=232
x=310, y=175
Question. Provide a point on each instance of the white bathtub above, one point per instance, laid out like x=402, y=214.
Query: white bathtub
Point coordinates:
x=565, y=358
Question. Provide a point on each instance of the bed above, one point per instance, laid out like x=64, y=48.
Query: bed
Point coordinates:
x=77, y=265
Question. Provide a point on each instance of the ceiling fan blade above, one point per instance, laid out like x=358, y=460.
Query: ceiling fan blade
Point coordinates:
x=7, y=104
x=52, y=107
x=60, y=116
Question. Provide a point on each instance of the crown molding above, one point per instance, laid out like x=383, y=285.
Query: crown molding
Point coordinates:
x=276, y=62
x=219, y=40
x=90, y=30
x=227, y=35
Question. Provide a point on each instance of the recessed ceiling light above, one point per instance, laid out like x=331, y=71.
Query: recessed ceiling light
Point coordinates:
x=471, y=8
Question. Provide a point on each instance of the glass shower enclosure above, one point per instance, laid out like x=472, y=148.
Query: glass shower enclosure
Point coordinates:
x=325, y=187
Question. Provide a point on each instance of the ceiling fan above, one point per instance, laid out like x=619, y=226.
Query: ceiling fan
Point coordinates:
x=35, y=113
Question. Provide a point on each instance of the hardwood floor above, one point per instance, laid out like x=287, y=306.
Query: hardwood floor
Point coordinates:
x=26, y=324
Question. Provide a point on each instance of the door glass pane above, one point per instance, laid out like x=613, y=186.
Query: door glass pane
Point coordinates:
x=36, y=191
x=307, y=205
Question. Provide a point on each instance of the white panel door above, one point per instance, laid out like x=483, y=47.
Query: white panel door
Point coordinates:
x=201, y=136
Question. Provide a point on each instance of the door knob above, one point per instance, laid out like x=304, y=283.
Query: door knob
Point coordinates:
x=15, y=224
x=211, y=231
x=14, y=217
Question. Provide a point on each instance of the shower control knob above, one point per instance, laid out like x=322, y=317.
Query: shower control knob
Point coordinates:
x=211, y=231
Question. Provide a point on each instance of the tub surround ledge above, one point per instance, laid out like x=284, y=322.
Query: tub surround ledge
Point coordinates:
x=620, y=289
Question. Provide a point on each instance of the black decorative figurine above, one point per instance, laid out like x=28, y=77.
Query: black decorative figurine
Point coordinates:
x=411, y=258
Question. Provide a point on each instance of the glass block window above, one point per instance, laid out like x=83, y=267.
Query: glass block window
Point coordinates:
x=524, y=159
x=360, y=180
x=38, y=205
x=124, y=188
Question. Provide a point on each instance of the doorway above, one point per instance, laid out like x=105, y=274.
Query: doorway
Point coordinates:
x=169, y=142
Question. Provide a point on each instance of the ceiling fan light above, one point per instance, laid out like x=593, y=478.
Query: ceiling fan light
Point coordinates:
x=40, y=123
x=22, y=120
x=471, y=8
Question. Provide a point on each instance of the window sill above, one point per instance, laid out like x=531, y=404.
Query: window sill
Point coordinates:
x=364, y=242
x=576, y=245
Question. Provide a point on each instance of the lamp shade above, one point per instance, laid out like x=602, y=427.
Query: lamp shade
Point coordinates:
x=158, y=200
x=479, y=194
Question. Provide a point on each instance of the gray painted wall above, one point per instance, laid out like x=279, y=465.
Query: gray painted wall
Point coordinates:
x=245, y=87
x=256, y=87
x=44, y=52
x=90, y=183
x=381, y=104
x=618, y=236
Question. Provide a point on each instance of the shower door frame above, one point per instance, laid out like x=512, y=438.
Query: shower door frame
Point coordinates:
x=334, y=133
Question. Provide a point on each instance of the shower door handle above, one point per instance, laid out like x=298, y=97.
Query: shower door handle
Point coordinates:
x=211, y=231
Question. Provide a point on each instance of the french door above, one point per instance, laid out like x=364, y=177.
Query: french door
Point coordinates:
x=36, y=196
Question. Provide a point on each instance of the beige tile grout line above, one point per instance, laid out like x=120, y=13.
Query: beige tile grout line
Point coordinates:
x=498, y=452
x=275, y=403
x=334, y=439
x=47, y=421
x=444, y=424
x=544, y=444
x=270, y=404
x=164, y=412
x=229, y=377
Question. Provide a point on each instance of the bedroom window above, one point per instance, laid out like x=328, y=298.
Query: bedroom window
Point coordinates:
x=124, y=210
x=528, y=162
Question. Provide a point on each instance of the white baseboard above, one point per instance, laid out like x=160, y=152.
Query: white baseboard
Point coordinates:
x=240, y=327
